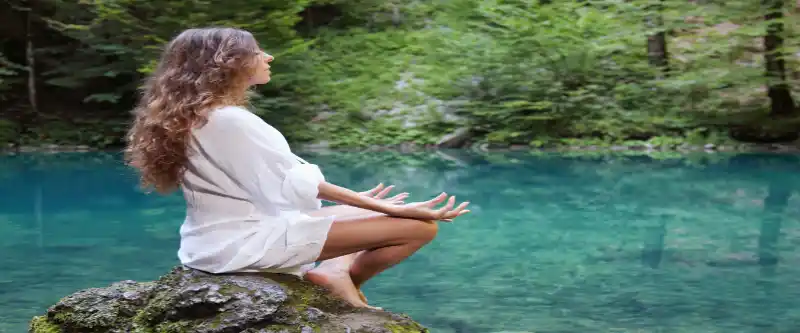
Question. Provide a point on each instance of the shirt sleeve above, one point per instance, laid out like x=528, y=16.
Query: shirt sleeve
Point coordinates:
x=258, y=159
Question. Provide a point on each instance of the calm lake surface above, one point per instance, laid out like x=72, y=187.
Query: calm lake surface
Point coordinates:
x=555, y=243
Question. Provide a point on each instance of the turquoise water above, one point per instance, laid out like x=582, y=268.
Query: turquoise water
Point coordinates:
x=555, y=243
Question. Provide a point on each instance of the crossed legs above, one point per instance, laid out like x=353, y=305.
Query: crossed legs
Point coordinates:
x=361, y=244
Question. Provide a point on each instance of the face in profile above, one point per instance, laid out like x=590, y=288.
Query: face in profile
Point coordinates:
x=262, y=72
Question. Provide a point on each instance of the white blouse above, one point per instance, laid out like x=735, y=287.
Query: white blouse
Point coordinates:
x=247, y=196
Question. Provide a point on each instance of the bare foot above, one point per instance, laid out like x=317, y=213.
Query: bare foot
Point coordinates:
x=362, y=296
x=334, y=275
x=338, y=283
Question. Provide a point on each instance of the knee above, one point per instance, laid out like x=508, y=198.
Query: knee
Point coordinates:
x=427, y=230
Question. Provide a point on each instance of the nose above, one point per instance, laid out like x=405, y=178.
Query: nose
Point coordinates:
x=268, y=57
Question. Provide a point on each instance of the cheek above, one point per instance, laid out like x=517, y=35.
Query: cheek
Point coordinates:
x=259, y=74
x=255, y=70
x=254, y=66
x=262, y=69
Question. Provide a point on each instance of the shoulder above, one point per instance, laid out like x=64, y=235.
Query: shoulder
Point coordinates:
x=238, y=123
x=234, y=114
x=234, y=120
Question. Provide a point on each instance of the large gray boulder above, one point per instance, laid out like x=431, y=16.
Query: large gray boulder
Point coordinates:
x=187, y=300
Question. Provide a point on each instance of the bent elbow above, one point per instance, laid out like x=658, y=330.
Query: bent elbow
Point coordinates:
x=301, y=186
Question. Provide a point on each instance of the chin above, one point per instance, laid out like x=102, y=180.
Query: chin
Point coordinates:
x=259, y=82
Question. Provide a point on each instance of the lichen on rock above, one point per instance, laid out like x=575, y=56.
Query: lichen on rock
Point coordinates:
x=187, y=300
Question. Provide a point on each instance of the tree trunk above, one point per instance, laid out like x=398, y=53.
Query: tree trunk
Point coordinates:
x=657, y=42
x=31, y=64
x=30, y=59
x=781, y=102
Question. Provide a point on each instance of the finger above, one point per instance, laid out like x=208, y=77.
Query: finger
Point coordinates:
x=458, y=211
x=446, y=208
x=450, y=220
x=373, y=190
x=377, y=189
x=447, y=219
x=461, y=207
x=400, y=196
x=385, y=191
x=435, y=201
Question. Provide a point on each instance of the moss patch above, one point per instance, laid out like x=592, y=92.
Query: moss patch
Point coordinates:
x=395, y=328
x=304, y=294
x=175, y=327
x=40, y=324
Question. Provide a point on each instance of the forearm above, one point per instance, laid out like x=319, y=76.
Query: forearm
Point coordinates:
x=341, y=195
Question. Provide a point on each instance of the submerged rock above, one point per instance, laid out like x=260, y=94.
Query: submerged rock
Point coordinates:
x=456, y=139
x=187, y=300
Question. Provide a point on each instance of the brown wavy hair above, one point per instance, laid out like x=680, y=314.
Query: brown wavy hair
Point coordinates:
x=199, y=70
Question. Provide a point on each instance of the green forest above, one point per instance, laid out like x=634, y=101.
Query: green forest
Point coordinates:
x=446, y=73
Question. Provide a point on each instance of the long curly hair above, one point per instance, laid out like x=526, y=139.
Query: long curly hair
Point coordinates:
x=199, y=70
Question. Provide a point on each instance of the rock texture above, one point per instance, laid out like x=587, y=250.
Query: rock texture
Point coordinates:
x=187, y=300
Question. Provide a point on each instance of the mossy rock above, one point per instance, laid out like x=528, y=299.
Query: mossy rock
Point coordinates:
x=187, y=300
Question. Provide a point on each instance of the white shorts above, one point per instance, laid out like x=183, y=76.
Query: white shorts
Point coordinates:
x=304, y=240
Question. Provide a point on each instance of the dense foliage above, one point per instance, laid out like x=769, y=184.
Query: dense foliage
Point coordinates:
x=369, y=72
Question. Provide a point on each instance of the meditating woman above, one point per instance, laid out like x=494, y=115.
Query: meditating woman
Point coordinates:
x=251, y=204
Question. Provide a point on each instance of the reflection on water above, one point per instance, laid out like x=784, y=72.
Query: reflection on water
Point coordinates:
x=555, y=243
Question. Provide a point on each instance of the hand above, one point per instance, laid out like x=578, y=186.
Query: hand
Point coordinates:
x=378, y=192
x=425, y=210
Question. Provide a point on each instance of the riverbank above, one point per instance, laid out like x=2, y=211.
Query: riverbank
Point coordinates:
x=628, y=146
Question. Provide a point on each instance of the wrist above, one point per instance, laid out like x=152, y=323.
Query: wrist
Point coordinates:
x=381, y=206
x=390, y=208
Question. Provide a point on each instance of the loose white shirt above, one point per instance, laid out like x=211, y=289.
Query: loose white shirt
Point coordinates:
x=247, y=198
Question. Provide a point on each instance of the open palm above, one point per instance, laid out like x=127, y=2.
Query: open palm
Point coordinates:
x=425, y=210
x=378, y=192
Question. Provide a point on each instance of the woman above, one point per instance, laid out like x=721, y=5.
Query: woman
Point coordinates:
x=252, y=205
